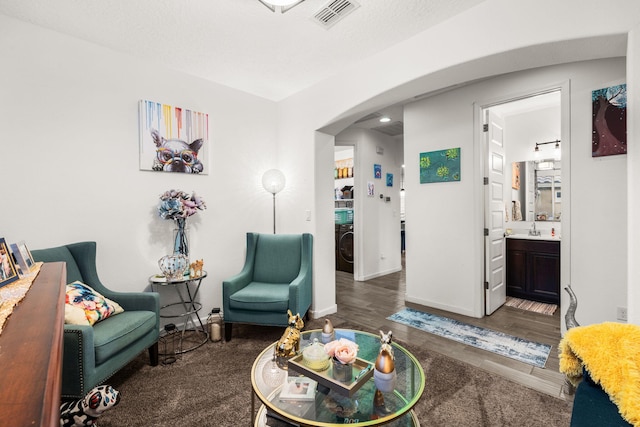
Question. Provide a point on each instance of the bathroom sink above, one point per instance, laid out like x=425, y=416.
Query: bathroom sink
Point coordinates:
x=529, y=237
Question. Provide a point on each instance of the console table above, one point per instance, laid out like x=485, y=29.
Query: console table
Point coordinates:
x=31, y=353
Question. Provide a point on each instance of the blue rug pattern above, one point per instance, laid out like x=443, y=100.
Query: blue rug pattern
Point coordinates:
x=529, y=352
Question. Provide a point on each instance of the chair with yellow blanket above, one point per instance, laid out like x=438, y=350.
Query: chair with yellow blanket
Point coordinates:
x=607, y=358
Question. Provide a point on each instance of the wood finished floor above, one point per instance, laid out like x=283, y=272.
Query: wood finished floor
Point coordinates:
x=370, y=303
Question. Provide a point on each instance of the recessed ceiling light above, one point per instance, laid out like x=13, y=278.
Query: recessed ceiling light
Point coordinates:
x=281, y=2
x=385, y=119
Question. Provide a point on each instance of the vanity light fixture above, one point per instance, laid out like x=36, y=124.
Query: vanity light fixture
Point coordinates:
x=283, y=4
x=538, y=144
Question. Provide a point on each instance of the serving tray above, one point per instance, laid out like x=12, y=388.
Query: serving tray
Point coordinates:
x=326, y=379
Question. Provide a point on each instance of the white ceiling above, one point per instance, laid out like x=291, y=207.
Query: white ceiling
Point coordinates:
x=239, y=43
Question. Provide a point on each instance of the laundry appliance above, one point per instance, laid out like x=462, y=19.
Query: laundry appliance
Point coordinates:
x=344, y=247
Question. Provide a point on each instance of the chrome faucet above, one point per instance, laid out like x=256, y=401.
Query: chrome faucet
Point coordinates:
x=533, y=231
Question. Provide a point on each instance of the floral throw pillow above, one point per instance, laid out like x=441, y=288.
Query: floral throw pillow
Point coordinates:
x=85, y=306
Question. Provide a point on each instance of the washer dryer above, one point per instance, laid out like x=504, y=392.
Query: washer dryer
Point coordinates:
x=345, y=248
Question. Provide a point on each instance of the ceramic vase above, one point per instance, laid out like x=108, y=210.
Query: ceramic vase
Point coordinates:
x=384, y=373
x=328, y=334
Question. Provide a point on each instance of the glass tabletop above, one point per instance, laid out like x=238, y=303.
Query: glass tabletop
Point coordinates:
x=328, y=407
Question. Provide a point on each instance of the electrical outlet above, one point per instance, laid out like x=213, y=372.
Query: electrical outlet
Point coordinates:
x=622, y=313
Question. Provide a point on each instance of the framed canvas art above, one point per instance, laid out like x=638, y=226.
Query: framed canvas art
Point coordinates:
x=440, y=166
x=377, y=171
x=609, y=115
x=173, y=139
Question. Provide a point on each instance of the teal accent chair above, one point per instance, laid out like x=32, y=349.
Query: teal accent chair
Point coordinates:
x=92, y=354
x=276, y=277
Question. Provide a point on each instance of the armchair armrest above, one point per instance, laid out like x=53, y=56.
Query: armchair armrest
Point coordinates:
x=300, y=290
x=78, y=357
x=237, y=282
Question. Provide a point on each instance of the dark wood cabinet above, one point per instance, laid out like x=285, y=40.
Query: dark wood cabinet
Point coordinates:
x=31, y=353
x=533, y=270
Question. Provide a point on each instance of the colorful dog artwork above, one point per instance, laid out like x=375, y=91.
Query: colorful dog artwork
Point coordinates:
x=175, y=155
x=173, y=139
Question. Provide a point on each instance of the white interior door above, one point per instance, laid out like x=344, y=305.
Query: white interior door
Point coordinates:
x=495, y=287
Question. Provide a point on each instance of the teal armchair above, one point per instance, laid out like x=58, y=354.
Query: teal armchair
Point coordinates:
x=276, y=277
x=92, y=354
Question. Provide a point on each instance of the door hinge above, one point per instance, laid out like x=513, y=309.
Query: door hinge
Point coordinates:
x=486, y=180
x=486, y=233
x=485, y=128
x=486, y=285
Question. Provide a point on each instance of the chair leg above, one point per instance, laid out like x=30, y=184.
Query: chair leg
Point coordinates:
x=153, y=354
x=227, y=331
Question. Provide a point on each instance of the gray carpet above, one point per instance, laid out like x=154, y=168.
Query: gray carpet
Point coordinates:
x=211, y=386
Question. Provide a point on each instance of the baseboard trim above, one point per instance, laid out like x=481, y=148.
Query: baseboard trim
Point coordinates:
x=316, y=314
x=450, y=308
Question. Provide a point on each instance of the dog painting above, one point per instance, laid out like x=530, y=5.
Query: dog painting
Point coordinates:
x=175, y=155
x=173, y=139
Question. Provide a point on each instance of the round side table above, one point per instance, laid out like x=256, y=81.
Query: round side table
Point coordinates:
x=187, y=289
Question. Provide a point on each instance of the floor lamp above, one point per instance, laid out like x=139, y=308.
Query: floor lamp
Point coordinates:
x=273, y=181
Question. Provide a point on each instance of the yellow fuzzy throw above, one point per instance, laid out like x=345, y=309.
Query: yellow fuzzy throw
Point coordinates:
x=610, y=352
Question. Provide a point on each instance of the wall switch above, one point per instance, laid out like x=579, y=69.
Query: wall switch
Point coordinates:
x=382, y=256
x=622, y=313
x=307, y=215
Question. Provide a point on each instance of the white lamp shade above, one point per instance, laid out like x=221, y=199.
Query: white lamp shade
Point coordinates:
x=273, y=181
x=281, y=2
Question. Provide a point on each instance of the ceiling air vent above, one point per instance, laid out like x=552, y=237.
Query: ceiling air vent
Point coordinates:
x=334, y=11
x=392, y=129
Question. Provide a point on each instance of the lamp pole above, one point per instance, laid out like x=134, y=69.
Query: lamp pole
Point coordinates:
x=273, y=181
x=274, y=213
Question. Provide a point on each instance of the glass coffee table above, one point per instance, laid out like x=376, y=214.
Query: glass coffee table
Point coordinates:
x=329, y=407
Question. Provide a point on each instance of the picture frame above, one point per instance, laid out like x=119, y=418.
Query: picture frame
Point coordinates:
x=22, y=257
x=8, y=271
x=389, y=180
x=440, y=166
x=609, y=121
x=173, y=139
x=298, y=388
x=377, y=171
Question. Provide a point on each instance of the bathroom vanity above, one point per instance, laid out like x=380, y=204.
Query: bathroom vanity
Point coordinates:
x=533, y=268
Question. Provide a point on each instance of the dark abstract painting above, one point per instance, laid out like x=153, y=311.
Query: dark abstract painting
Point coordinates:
x=609, y=133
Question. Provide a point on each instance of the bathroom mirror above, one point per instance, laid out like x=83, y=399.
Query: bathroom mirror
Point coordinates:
x=536, y=193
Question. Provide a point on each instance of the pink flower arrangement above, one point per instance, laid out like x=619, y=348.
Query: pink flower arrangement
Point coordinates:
x=343, y=350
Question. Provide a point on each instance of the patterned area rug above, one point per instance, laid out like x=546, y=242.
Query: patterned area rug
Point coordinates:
x=538, y=307
x=529, y=352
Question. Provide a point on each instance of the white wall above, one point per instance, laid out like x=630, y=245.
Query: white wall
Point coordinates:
x=69, y=120
x=441, y=57
x=443, y=248
x=633, y=174
x=376, y=222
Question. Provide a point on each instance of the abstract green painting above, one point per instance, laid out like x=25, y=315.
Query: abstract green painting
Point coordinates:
x=440, y=166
